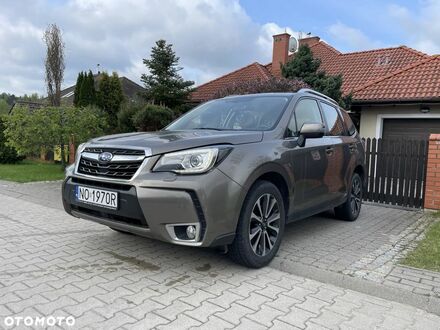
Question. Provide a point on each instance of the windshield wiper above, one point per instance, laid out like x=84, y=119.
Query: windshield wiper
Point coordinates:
x=209, y=128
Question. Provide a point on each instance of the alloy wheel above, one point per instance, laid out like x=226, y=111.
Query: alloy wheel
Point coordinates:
x=356, y=195
x=264, y=224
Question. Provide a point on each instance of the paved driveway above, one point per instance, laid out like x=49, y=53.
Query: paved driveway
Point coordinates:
x=55, y=265
x=367, y=249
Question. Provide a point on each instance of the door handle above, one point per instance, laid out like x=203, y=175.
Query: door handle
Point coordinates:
x=352, y=147
x=329, y=150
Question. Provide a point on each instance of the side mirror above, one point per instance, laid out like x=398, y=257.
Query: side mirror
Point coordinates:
x=310, y=131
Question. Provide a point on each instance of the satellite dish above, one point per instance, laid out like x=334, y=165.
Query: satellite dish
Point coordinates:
x=293, y=45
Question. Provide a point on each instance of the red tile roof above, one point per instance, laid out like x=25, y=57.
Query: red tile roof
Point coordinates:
x=359, y=70
x=417, y=81
x=208, y=90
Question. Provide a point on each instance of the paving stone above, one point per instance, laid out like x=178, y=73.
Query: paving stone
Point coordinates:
x=266, y=315
x=297, y=317
x=234, y=313
x=215, y=323
x=204, y=312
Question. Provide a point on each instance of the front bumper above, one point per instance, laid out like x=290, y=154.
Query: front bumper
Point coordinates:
x=152, y=203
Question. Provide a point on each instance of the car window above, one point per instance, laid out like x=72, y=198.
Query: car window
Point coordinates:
x=334, y=121
x=348, y=122
x=306, y=111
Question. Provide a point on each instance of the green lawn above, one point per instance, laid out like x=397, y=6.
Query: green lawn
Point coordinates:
x=30, y=171
x=427, y=253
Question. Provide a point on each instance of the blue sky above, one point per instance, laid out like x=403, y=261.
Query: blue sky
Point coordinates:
x=375, y=19
x=212, y=37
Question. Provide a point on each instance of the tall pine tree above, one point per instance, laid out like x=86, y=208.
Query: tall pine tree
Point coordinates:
x=87, y=93
x=163, y=84
x=79, y=82
x=305, y=67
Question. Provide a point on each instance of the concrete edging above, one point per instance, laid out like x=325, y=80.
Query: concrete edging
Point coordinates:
x=426, y=303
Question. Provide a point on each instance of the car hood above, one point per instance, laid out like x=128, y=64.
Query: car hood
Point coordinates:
x=167, y=141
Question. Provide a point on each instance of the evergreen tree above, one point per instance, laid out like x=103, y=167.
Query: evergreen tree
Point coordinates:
x=79, y=82
x=110, y=96
x=164, y=85
x=305, y=67
x=87, y=93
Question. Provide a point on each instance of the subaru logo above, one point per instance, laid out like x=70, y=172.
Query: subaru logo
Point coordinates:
x=105, y=157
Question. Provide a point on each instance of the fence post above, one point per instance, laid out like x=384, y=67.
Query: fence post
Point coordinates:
x=432, y=187
x=72, y=149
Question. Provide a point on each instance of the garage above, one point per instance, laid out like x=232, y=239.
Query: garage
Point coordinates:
x=410, y=128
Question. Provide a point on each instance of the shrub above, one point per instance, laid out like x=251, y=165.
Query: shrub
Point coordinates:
x=152, y=117
x=8, y=155
x=262, y=86
x=125, y=117
x=31, y=131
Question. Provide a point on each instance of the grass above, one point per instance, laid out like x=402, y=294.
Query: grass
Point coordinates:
x=31, y=171
x=427, y=253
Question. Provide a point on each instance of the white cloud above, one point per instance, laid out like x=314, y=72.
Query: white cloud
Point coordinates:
x=353, y=39
x=211, y=37
x=422, y=27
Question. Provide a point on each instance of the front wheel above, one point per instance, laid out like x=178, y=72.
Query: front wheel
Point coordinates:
x=350, y=210
x=260, y=227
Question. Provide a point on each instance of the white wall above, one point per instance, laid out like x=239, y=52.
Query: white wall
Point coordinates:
x=372, y=117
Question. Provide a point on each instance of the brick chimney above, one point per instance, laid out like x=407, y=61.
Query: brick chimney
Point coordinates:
x=280, y=52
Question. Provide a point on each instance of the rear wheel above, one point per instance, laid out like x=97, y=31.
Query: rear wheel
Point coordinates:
x=260, y=227
x=350, y=210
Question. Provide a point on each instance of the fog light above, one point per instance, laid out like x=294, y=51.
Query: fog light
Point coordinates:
x=191, y=232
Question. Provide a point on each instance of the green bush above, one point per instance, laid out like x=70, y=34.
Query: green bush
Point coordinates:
x=8, y=155
x=31, y=131
x=152, y=118
x=125, y=117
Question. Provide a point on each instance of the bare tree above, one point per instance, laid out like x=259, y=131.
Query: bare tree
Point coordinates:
x=54, y=63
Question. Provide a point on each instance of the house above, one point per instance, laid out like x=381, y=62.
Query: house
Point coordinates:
x=130, y=89
x=396, y=90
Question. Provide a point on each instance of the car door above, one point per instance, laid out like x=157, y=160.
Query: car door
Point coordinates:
x=309, y=162
x=337, y=153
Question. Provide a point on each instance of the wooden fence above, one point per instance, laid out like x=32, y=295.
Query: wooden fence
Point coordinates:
x=396, y=171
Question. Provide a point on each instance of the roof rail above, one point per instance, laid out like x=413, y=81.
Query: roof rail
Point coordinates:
x=311, y=91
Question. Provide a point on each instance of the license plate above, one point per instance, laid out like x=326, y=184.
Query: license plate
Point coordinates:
x=104, y=198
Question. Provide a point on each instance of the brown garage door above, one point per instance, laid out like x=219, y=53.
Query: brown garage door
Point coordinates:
x=410, y=128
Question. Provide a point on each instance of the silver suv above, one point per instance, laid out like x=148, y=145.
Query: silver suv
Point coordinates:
x=232, y=172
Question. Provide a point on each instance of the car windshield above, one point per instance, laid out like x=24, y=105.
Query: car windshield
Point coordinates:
x=250, y=113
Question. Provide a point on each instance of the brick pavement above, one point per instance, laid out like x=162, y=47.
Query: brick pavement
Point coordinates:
x=52, y=264
x=368, y=248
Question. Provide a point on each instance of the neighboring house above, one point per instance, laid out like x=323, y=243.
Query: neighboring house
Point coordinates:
x=130, y=89
x=396, y=91
x=29, y=104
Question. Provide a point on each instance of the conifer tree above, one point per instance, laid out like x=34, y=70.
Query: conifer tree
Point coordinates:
x=305, y=67
x=163, y=84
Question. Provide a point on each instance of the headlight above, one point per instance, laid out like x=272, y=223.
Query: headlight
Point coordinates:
x=192, y=161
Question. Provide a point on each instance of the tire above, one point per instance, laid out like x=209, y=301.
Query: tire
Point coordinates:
x=121, y=231
x=349, y=211
x=259, y=233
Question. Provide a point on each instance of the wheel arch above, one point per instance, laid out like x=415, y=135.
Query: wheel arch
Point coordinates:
x=274, y=173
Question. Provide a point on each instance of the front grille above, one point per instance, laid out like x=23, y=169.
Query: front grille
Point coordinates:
x=116, y=151
x=122, y=169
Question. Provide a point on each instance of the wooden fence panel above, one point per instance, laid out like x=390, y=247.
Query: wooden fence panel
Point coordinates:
x=396, y=171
